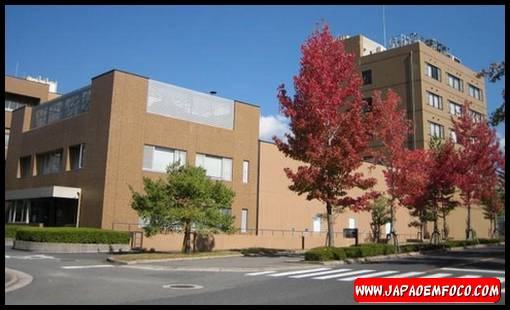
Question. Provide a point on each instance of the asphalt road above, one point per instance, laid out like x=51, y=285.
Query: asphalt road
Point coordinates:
x=90, y=279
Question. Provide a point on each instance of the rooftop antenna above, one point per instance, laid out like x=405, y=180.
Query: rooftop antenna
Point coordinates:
x=17, y=64
x=384, y=26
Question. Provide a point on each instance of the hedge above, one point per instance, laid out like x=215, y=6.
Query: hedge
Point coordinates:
x=72, y=235
x=371, y=249
x=325, y=253
x=10, y=230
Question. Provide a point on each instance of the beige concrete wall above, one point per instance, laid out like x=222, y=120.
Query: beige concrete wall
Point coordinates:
x=90, y=128
x=131, y=127
x=26, y=88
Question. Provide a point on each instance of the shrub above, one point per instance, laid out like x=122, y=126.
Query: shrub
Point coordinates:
x=489, y=241
x=72, y=235
x=10, y=230
x=324, y=254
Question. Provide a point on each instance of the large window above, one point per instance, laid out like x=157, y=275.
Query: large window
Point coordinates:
x=60, y=108
x=436, y=130
x=25, y=169
x=433, y=71
x=77, y=156
x=367, y=77
x=455, y=82
x=475, y=92
x=157, y=158
x=455, y=108
x=49, y=162
x=216, y=167
x=477, y=117
x=435, y=100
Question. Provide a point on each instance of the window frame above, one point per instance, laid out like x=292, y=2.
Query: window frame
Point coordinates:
x=176, y=153
x=435, y=96
x=431, y=75
x=369, y=71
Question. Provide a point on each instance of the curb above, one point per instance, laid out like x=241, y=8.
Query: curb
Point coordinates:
x=400, y=255
x=141, y=261
x=19, y=280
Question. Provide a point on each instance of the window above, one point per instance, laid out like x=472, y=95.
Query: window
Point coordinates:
x=7, y=134
x=76, y=156
x=244, y=220
x=455, y=108
x=157, y=158
x=245, y=171
x=24, y=167
x=433, y=71
x=226, y=211
x=368, y=106
x=477, y=117
x=436, y=130
x=367, y=77
x=49, y=162
x=475, y=92
x=317, y=223
x=11, y=105
x=455, y=82
x=453, y=136
x=435, y=101
x=216, y=167
x=352, y=223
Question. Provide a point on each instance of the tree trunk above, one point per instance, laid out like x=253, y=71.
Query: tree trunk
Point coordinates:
x=435, y=234
x=445, y=228
x=187, y=238
x=331, y=236
x=469, y=232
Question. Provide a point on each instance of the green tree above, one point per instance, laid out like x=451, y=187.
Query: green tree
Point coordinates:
x=494, y=73
x=381, y=215
x=186, y=199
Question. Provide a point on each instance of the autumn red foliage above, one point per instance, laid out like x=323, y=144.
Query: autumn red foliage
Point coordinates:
x=329, y=132
x=479, y=158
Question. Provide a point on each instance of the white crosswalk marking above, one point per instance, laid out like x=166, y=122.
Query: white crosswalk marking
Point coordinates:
x=343, y=274
x=371, y=275
x=259, y=273
x=473, y=270
x=470, y=276
x=87, y=266
x=319, y=273
x=437, y=275
x=406, y=274
x=297, y=272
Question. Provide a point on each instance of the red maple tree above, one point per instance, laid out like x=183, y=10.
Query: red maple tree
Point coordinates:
x=329, y=132
x=479, y=158
x=391, y=130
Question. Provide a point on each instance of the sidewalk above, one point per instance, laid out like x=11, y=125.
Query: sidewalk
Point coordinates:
x=15, y=279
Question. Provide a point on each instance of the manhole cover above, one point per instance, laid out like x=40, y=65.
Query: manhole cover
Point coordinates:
x=183, y=286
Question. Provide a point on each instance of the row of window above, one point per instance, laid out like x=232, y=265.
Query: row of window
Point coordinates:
x=455, y=109
x=51, y=162
x=437, y=130
x=157, y=159
x=453, y=81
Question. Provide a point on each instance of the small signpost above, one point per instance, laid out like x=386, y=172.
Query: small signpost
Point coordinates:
x=351, y=233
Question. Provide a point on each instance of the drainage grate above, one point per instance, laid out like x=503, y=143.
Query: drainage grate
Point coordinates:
x=183, y=286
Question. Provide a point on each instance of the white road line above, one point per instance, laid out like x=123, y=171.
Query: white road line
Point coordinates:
x=7, y=256
x=343, y=274
x=473, y=270
x=87, y=266
x=371, y=275
x=319, y=273
x=470, y=276
x=259, y=273
x=297, y=272
x=406, y=274
x=437, y=275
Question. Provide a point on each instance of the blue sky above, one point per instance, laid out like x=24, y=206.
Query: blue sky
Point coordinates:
x=242, y=52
